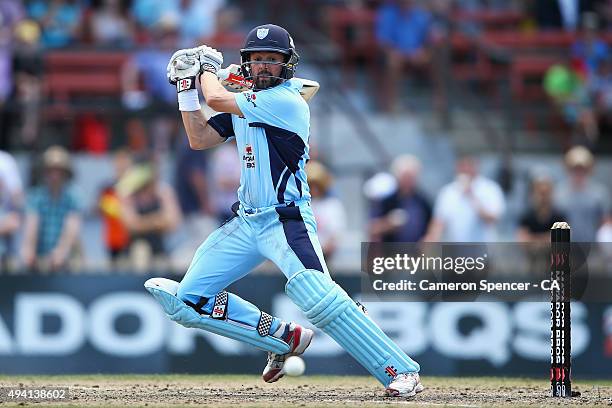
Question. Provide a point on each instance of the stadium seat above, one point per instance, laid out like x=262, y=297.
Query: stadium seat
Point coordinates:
x=73, y=74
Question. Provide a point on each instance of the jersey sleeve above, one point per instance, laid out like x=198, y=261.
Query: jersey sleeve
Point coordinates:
x=223, y=124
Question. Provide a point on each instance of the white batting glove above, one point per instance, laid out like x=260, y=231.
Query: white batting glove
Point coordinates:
x=183, y=64
x=183, y=68
x=210, y=59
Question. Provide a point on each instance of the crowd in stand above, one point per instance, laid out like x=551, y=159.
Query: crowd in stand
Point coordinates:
x=114, y=23
x=40, y=226
x=471, y=207
x=147, y=31
x=409, y=31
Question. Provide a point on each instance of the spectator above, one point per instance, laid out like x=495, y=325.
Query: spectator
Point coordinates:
x=589, y=50
x=158, y=97
x=59, y=19
x=604, y=234
x=584, y=201
x=605, y=10
x=402, y=29
x=600, y=89
x=11, y=195
x=604, y=238
x=403, y=215
x=11, y=12
x=226, y=179
x=149, y=64
x=9, y=224
x=468, y=209
x=328, y=210
x=150, y=211
x=574, y=89
x=193, y=192
x=572, y=98
x=560, y=14
x=191, y=180
x=53, y=218
x=110, y=23
x=198, y=20
x=227, y=32
x=148, y=13
x=27, y=71
x=535, y=223
x=116, y=236
x=197, y=17
x=10, y=177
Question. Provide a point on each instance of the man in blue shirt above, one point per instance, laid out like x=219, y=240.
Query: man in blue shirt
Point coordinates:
x=53, y=216
x=403, y=30
x=274, y=220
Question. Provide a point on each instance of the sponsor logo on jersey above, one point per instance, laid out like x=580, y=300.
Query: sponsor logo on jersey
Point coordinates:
x=250, y=97
x=249, y=157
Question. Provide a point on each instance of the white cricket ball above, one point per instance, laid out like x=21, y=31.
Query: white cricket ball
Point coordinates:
x=294, y=366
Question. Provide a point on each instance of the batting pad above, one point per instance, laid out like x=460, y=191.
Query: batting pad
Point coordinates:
x=329, y=308
x=164, y=291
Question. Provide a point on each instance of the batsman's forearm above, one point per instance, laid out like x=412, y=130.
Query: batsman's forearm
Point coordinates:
x=201, y=136
x=212, y=88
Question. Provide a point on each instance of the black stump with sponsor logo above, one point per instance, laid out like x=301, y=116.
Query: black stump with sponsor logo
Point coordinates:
x=560, y=324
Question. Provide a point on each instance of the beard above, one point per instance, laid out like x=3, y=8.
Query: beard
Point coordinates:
x=264, y=80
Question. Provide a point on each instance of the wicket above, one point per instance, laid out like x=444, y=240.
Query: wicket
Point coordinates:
x=560, y=324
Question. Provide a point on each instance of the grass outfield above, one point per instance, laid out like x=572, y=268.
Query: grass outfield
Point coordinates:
x=306, y=391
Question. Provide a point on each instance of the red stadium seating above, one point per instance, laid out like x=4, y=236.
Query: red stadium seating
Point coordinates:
x=70, y=74
x=352, y=30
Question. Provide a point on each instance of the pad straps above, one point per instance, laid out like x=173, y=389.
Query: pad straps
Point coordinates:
x=219, y=310
x=264, y=325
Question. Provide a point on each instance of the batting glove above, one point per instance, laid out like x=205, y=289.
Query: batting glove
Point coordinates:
x=183, y=64
x=182, y=69
x=210, y=59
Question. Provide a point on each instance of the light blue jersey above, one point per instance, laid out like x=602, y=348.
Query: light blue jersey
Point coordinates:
x=272, y=140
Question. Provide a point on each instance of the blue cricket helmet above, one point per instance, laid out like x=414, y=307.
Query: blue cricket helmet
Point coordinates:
x=270, y=38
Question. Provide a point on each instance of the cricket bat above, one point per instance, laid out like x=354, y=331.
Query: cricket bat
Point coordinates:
x=232, y=79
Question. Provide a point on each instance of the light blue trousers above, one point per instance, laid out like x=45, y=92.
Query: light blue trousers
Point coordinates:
x=285, y=235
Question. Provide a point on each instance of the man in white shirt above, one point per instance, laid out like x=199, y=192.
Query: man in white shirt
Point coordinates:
x=467, y=209
x=11, y=197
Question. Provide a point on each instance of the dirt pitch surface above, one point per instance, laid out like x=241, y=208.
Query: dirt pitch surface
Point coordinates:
x=306, y=391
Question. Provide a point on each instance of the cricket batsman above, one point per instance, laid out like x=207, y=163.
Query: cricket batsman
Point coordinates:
x=274, y=220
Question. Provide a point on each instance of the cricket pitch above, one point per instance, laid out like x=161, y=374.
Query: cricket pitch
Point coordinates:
x=305, y=391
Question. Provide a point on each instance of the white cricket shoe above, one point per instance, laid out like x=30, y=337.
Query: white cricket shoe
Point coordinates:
x=299, y=339
x=405, y=385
